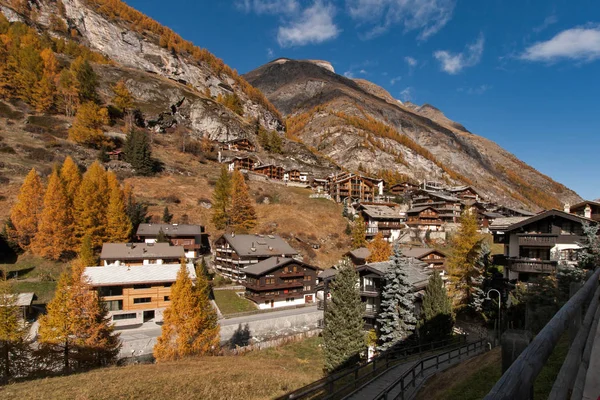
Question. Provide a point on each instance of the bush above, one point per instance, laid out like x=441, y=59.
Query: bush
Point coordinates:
x=4, y=148
x=171, y=199
x=4, y=180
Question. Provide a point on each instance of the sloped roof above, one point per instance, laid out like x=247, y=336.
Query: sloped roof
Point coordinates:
x=22, y=299
x=416, y=272
x=504, y=222
x=521, y=211
x=381, y=211
x=114, y=275
x=263, y=245
x=584, y=203
x=170, y=229
x=550, y=213
x=418, y=252
x=419, y=209
x=361, y=252
x=271, y=264
x=140, y=251
x=327, y=273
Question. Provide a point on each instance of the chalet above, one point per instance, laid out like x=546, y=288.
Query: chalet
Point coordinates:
x=355, y=187
x=116, y=155
x=23, y=301
x=358, y=256
x=586, y=209
x=241, y=163
x=294, y=175
x=192, y=237
x=447, y=207
x=487, y=218
x=319, y=184
x=280, y=281
x=233, y=253
x=513, y=212
x=539, y=244
x=424, y=218
x=270, y=170
x=372, y=283
x=134, y=254
x=434, y=259
x=240, y=144
x=135, y=294
x=465, y=193
x=382, y=218
x=400, y=189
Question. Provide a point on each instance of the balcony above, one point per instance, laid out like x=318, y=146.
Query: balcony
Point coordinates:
x=538, y=240
x=369, y=291
x=370, y=311
x=285, y=285
x=292, y=274
x=536, y=266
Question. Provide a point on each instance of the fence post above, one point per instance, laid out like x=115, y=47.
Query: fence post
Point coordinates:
x=437, y=362
x=413, y=377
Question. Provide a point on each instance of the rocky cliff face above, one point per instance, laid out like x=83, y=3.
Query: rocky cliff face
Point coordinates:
x=347, y=121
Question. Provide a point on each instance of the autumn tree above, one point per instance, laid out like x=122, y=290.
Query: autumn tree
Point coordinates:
x=243, y=215
x=71, y=177
x=90, y=205
x=358, y=233
x=466, y=246
x=68, y=90
x=222, y=199
x=343, y=336
x=86, y=254
x=26, y=212
x=118, y=225
x=14, y=348
x=123, y=99
x=55, y=226
x=87, y=80
x=88, y=123
x=380, y=249
x=190, y=324
x=437, y=319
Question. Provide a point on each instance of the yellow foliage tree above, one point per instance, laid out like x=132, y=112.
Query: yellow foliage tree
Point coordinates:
x=190, y=323
x=380, y=249
x=118, y=225
x=123, y=99
x=44, y=92
x=68, y=88
x=71, y=177
x=13, y=346
x=358, y=233
x=87, y=127
x=55, y=227
x=243, y=215
x=90, y=205
x=26, y=212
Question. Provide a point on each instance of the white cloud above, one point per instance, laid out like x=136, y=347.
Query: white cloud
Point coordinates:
x=425, y=16
x=349, y=74
x=313, y=25
x=270, y=53
x=575, y=44
x=549, y=20
x=407, y=94
x=269, y=6
x=364, y=72
x=453, y=63
x=395, y=79
x=410, y=61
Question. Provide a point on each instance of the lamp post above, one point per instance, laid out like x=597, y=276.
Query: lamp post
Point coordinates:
x=499, y=305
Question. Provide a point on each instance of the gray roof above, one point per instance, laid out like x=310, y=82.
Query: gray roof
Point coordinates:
x=381, y=211
x=361, y=252
x=328, y=273
x=122, y=274
x=418, y=252
x=418, y=209
x=259, y=245
x=517, y=210
x=417, y=274
x=505, y=222
x=272, y=263
x=140, y=251
x=170, y=229
x=23, y=299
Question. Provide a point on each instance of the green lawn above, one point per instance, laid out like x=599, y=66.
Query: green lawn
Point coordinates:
x=43, y=290
x=230, y=303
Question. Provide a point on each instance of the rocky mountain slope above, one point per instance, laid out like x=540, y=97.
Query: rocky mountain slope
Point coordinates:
x=360, y=126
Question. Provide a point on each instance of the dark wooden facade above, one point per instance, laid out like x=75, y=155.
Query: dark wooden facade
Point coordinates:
x=241, y=144
x=272, y=171
x=243, y=163
x=400, y=189
x=423, y=217
x=351, y=186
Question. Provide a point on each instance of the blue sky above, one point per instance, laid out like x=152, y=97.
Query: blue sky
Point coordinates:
x=523, y=73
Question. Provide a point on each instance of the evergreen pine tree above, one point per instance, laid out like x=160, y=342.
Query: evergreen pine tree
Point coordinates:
x=396, y=317
x=162, y=237
x=55, y=226
x=137, y=212
x=345, y=213
x=589, y=256
x=90, y=205
x=25, y=213
x=343, y=336
x=14, y=349
x=167, y=217
x=358, y=233
x=263, y=139
x=275, y=143
x=437, y=320
x=118, y=225
x=190, y=324
x=222, y=200
x=243, y=215
x=380, y=249
x=138, y=152
x=475, y=293
x=87, y=80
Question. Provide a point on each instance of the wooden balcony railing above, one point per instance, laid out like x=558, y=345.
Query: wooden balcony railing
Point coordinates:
x=539, y=266
x=543, y=240
x=369, y=290
x=286, y=285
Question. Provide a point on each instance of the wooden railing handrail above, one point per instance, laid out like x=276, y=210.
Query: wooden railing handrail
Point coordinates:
x=518, y=379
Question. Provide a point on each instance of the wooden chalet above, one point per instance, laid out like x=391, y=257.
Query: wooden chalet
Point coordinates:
x=434, y=259
x=192, y=238
x=134, y=254
x=513, y=212
x=241, y=163
x=355, y=187
x=319, y=184
x=424, y=218
x=295, y=175
x=384, y=218
x=270, y=170
x=465, y=193
x=358, y=256
x=448, y=207
x=586, y=209
x=400, y=189
x=280, y=282
x=241, y=144
x=116, y=155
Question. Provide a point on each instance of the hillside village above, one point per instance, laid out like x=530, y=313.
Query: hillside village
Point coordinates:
x=181, y=221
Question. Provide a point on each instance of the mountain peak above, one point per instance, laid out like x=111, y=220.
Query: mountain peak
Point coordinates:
x=321, y=63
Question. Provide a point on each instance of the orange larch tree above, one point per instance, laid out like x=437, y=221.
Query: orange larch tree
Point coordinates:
x=243, y=215
x=87, y=127
x=26, y=212
x=380, y=249
x=118, y=225
x=90, y=205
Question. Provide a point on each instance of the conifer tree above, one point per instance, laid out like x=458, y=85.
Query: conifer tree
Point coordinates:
x=162, y=237
x=263, y=138
x=26, y=211
x=222, y=200
x=243, y=215
x=55, y=226
x=43, y=94
x=589, y=256
x=396, y=318
x=358, y=233
x=437, y=320
x=86, y=252
x=87, y=79
x=466, y=247
x=343, y=336
x=138, y=152
x=71, y=177
x=190, y=324
x=14, y=349
x=87, y=127
x=275, y=142
x=123, y=99
x=380, y=249
x=90, y=205
x=118, y=225
x=167, y=217
x=68, y=89
x=137, y=212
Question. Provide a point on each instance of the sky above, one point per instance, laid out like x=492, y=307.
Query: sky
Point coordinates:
x=523, y=73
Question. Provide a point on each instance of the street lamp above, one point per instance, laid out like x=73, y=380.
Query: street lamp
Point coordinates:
x=499, y=303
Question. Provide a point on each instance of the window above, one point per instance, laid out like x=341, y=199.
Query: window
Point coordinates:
x=141, y=300
x=104, y=291
x=295, y=268
x=167, y=298
x=119, y=317
x=114, y=305
x=142, y=286
x=306, y=288
x=289, y=299
x=270, y=281
x=306, y=278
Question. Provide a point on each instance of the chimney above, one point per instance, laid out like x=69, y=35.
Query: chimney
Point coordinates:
x=567, y=208
x=587, y=212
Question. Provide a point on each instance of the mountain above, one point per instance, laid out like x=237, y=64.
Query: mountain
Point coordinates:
x=361, y=126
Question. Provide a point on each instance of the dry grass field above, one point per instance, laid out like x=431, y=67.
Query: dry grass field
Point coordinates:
x=258, y=375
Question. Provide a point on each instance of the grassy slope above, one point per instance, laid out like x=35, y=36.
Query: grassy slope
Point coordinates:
x=257, y=375
x=230, y=303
